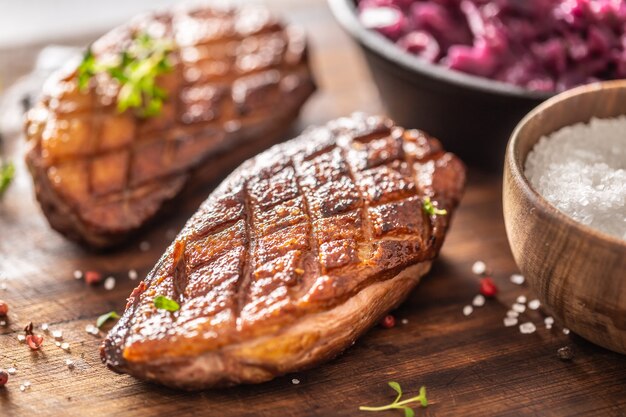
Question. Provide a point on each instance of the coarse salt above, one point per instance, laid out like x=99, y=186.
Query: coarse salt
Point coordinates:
x=109, y=283
x=510, y=321
x=21, y=338
x=479, y=300
x=295, y=381
x=3, y=323
x=527, y=328
x=517, y=279
x=467, y=310
x=512, y=313
x=581, y=170
x=565, y=330
x=69, y=363
x=144, y=246
x=11, y=371
x=132, y=274
x=404, y=321
x=521, y=299
x=519, y=308
x=45, y=327
x=57, y=334
x=78, y=274
x=534, y=304
x=91, y=329
x=479, y=268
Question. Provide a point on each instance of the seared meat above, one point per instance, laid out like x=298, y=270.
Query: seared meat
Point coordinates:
x=296, y=254
x=239, y=79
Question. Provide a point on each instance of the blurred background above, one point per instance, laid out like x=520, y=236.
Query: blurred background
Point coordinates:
x=27, y=23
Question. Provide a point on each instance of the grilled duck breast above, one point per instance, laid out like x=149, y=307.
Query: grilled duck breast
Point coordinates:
x=237, y=80
x=297, y=253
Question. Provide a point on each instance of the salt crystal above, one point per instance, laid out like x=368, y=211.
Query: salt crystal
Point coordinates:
x=3, y=323
x=527, y=328
x=581, y=170
x=521, y=299
x=510, y=321
x=11, y=371
x=144, y=246
x=519, y=308
x=78, y=274
x=479, y=268
x=26, y=384
x=512, y=313
x=295, y=381
x=534, y=304
x=404, y=321
x=45, y=327
x=57, y=344
x=3, y=286
x=549, y=320
x=517, y=279
x=91, y=329
x=57, y=334
x=69, y=363
x=479, y=300
x=21, y=338
x=22, y=388
x=467, y=310
x=109, y=283
x=565, y=330
x=132, y=274
x=65, y=346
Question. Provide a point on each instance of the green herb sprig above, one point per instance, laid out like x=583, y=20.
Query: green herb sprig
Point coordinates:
x=431, y=209
x=7, y=173
x=401, y=405
x=136, y=69
x=106, y=317
x=163, y=303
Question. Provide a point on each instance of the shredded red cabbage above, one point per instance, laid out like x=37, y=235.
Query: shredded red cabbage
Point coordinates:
x=542, y=45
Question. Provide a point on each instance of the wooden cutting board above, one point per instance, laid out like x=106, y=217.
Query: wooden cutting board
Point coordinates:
x=471, y=366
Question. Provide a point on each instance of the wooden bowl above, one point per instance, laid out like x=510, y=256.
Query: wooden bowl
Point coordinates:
x=578, y=273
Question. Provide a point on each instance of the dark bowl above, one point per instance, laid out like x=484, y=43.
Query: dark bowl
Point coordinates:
x=472, y=116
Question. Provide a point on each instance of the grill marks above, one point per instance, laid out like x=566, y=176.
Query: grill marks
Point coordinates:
x=239, y=75
x=304, y=226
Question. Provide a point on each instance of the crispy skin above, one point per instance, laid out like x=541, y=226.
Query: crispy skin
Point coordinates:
x=239, y=80
x=297, y=253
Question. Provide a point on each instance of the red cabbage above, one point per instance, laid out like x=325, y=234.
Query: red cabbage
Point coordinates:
x=543, y=45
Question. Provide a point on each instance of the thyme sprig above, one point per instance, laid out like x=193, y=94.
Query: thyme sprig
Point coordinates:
x=431, y=209
x=163, y=303
x=136, y=69
x=7, y=173
x=401, y=405
x=106, y=317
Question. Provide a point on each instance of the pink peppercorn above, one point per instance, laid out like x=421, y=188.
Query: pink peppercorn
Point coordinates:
x=388, y=321
x=487, y=287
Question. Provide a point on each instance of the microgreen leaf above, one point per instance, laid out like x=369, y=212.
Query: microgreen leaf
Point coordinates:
x=397, y=388
x=105, y=317
x=431, y=209
x=86, y=70
x=136, y=69
x=423, y=399
x=163, y=303
x=401, y=405
x=7, y=173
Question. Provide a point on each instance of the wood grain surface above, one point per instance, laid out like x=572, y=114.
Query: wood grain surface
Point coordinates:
x=471, y=366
